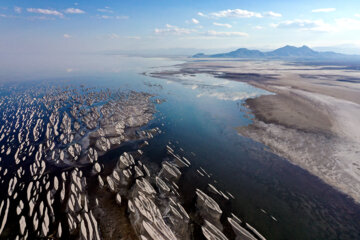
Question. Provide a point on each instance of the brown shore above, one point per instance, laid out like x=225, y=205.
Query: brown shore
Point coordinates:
x=290, y=111
x=312, y=117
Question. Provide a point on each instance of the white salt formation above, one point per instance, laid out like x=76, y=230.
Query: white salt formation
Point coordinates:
x=54, y=145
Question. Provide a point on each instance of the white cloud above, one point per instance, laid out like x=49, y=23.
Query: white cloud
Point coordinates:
x=67, y=36
x=339, y=25
x=17, y=9
x=357, y=15
x=237, y=13
x=347, y=24
x=116, y=36
x=226, y=34
x=201, y=14
x=45, y=11
x=306, y=25
x=41, y=18
x=105, y=17
x=74, y=11
x=222, y=25
x=272, y=14
x=105, y=10
x=121, y=17
x=195, y=21
x=258, y=27
x=133, y=37
x=170, y=29
x=323, y=10
x=113, y=17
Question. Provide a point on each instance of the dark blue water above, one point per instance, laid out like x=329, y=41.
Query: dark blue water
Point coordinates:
x=200, y=115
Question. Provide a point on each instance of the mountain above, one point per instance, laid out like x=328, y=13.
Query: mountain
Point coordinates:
x=291, y=51
x=285, y=52
x=241, y=52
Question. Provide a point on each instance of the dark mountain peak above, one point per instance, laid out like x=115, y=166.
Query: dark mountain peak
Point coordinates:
x=240, y=53
x=199, y=55
x=242, y=49
x=288, y=46
x=291, y=51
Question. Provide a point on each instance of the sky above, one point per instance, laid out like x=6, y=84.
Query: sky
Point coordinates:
x=85, y=26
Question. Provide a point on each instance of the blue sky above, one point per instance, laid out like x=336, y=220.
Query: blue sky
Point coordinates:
x=86, y=26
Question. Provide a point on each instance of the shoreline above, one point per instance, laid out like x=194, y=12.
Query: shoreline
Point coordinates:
x=310, y=119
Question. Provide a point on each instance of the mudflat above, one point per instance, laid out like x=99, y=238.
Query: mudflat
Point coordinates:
x=288, y=110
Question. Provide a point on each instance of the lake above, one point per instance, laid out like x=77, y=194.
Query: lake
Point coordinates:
x=199, y=116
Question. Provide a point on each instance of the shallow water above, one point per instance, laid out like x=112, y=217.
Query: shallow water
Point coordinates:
x=199, y=115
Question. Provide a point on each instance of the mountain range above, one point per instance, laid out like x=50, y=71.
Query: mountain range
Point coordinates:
x=286, y=52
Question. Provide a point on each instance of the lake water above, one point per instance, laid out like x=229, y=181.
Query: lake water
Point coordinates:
x=199, y=115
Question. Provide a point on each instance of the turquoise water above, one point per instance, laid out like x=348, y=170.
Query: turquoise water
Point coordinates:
x=199, y=115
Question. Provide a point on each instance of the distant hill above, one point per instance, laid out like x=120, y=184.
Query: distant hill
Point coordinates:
x=241, y=52
x=286, y=52
x=290, y=51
